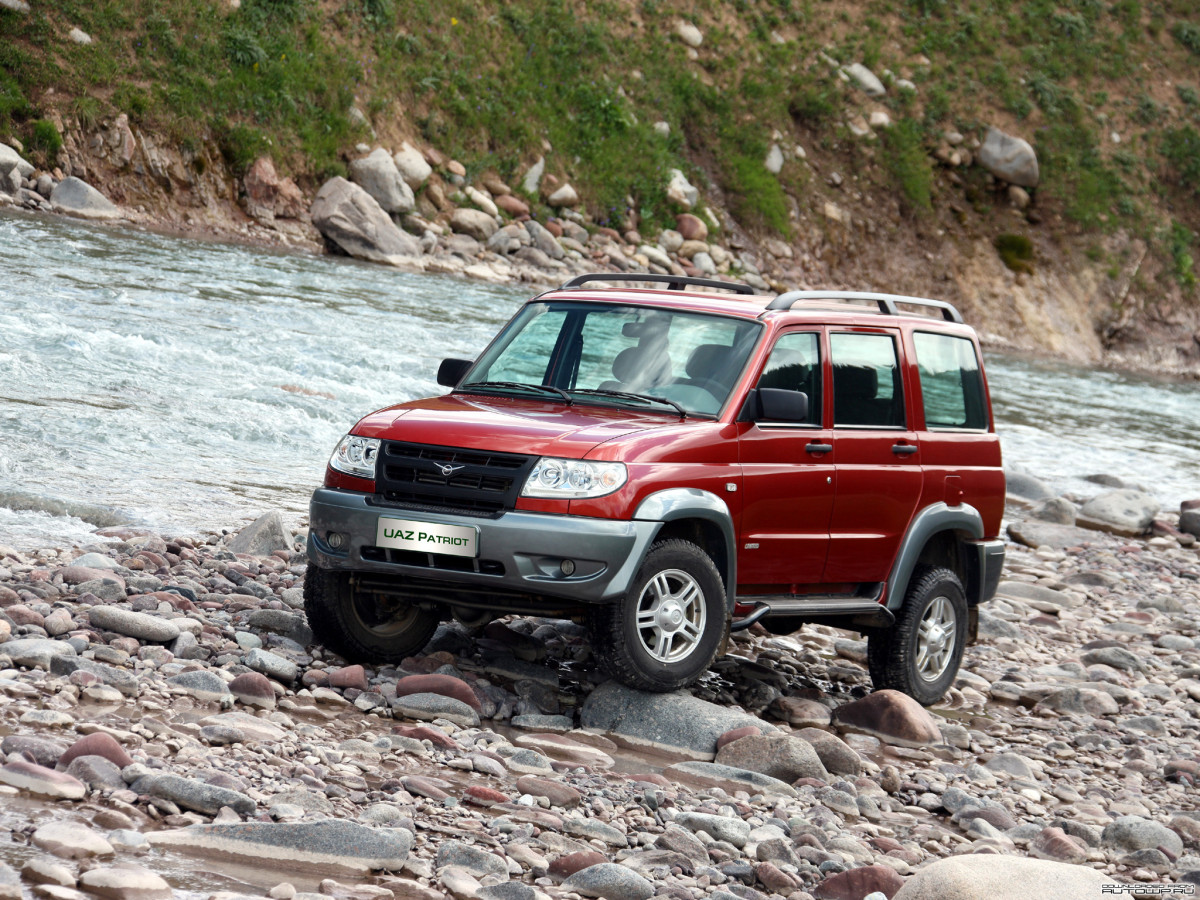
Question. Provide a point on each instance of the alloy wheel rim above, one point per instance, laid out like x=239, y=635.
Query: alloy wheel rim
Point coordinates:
x=670, y=616
x=936, y=639
x=374, y=618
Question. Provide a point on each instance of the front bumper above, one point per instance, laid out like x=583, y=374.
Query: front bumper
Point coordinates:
x=518, y=552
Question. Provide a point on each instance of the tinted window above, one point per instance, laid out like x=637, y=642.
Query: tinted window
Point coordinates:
x=951, y=383
x=866, y=381
x=795, y=365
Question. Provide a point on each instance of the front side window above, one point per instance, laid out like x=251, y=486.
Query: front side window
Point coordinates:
x=619, y=355
x=867, y=389
x=951, y=383
x=795, y=365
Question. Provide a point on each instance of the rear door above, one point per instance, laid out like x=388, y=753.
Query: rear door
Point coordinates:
x=878, y=465
x=787, y=470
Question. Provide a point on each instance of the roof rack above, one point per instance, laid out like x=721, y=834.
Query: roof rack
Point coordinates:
x=673, y=282
x=887, y=302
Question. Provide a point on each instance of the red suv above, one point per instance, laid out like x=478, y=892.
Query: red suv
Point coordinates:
x=671, y=465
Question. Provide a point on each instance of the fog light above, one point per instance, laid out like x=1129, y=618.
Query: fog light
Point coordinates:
x=568, y=567
x=335, y=539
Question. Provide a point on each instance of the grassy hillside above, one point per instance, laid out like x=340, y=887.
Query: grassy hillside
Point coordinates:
x=1107, y=92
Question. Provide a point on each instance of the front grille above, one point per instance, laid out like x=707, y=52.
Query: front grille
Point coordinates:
x=477, y=482
x=432, y=560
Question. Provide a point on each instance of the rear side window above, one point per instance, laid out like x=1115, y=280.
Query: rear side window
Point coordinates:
x=795, y=365
x=951, y=382
x=866, y=381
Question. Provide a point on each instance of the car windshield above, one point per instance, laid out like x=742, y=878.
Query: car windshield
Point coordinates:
x=624, y=355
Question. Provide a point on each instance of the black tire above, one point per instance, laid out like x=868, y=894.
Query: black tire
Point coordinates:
x=357, y=626
x=681, y=597
x=922, y=661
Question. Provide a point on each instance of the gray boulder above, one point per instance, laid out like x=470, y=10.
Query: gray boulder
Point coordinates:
x=78, y=198
x=351, y=218
x=1046, y=534
x=192, y=794
x=272, y=665
x=1131, y=833
x=1058, y=510
x=676, y=722
x=265, y=535
x=1124, y=512
x=10, y=159
x=777, y=755
x=142, y=626
x=378, y=176
x=35, y=653
x=1009, y=158
x=610, y=881
x=123, y=680
x=474, y=223
x=986, y=876
x=412, y=166
x=1026, y=487
x=543, y=239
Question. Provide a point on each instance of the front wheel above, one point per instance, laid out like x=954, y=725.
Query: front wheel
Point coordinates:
x=363, y=626
x=668, y=628
x=920, y=654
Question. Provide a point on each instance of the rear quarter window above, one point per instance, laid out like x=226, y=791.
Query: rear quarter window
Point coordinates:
x=951, y=383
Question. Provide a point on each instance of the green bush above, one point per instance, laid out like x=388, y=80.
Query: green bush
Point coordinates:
x=1181, y=148
x=46, y=141
x=755, y=193
x=242, y=49
x=909, y=165
x=1179, y=241
x=241, y=145
x=87, y=111
x=1188, y=34
x=1016, y=252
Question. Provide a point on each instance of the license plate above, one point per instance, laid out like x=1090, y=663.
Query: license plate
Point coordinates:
x=427, y=537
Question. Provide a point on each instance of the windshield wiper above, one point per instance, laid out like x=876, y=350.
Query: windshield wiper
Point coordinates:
x=517, y=385
x=628, y=396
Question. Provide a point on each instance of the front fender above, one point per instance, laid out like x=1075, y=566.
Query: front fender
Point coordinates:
x=931, y=520
x=676, y=504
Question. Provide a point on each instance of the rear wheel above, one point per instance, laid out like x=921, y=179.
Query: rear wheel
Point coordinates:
x=666, y=631
x=920, y=654
x=362, y=626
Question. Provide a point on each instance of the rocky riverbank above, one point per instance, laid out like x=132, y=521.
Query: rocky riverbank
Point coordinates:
x=165, y=711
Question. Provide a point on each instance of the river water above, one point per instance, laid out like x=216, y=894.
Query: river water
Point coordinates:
x=189, y=386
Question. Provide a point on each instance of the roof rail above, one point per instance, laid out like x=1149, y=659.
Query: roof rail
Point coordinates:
x=887, y=302
x=673, y=282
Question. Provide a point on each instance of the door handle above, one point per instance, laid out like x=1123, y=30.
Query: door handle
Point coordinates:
x=814, y=447
x=902, y=449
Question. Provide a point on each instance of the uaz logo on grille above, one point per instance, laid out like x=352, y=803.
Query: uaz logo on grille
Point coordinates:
x=449, y=470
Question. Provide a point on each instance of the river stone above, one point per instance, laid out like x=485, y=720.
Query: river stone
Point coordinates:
x=121, y=679
x=1131, y=833
x=44, y=870
x=78, y=198
x=675, y=722
x=721, y=828
x=866, y=80
x=272, y=665
x=1058, y=510
x=1128, y=513
x=253, y=689
x=779, y=756
x=1026, y=487
x=1009, y=158
x=379, y=176
x=429, y=706
x=35, y=653
x=35, y=779
x=861, y=882
x=474, y=223
x=45, y=751
x=202, y=684
x=107, y=589
x=350, y=218
x=595, y=830
x=97, y=773
x=476, y=860
x=1044, y=534
x=1080, y=701
x=96, y=561
x=728, y=778
x=264, y=536
x=990, y=876
x=1116, y=657
x=412, y=165
x=254, y=728
x=125, y=882
x=891, y=716
x=1036, y=593
x=559, y=746
x=559, y=794
x=326, y=845
x=142, y=626
x=446, y=685
x=71, y=840
x=611, y=882
x=9, y=158
x=680, y=840
x=191, y=794
x=835, y=754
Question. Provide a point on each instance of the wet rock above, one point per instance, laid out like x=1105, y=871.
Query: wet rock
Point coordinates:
x=78, y=198
x=728, y=778
x=446, y=685
x=203, y=685
x=1080, y=701
x=1130, y=833
x=1125, y=512
x=776, y=755
x=891, y=716
x=45, y=751
x=71, y=840
x=121, y=679
x=125, y=882
x=476, y=861
x=611, y=882
x=97, y=773
x=191, y=794
x=379, y=176
x=254, y=728
x=351, y=218
x=435, y=706
x=278, y=621
x=1009, y=158
x=138, y=625
x=720, y=828
x=332, y=844
x=35, y=779
x=253, y=689
x=272, y=665
x=264, y=536
x=676, y=721
x=35, y=652
x=560, y=795
x=858, y=883
x=45, y=870
x=980, y=876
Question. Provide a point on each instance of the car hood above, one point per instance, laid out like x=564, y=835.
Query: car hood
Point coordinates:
x=510, y=425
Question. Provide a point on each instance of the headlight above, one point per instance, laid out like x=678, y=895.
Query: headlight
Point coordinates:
x=356, y=456
x=573, y=478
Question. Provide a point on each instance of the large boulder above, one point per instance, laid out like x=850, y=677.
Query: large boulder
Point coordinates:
x=10, y=159
x=377, y=174
x=891, y=716
x=351, y=218
x=1009, y=158
x=986, y=876
x=474, y=223
x=265, y=535
x=1126, y=512
x=78, y=198
x=412, y=165
x=778, y=755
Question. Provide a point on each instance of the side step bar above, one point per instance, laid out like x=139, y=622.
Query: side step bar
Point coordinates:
x=841, y=610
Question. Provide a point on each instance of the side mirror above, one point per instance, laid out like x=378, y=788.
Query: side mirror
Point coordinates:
x=781, y=405
x=451, y=371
